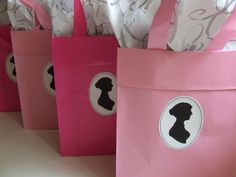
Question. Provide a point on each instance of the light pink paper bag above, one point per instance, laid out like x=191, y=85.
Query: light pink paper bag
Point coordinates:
x=176, y=113
x=85, y=69
x=32, y=50
x=9, y=97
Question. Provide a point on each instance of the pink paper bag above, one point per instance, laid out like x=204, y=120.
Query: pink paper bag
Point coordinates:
x=176, y=113
x=32, y=50
x=9, y=97
x=85, y=69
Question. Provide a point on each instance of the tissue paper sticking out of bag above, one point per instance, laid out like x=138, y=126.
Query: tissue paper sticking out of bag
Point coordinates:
x=88, y=12
x=131, y=20
x=41, y=10
x=230, y=46
x=62, y=14
x=21, y=17
x=197, y=22
x=53, y=14
x=4, y=18
x=49, y=14
x=97, y=17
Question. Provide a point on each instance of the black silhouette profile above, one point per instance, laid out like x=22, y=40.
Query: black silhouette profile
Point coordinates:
x=13, y=62
x=105, y=85
x=51, y=72
x=182, y=112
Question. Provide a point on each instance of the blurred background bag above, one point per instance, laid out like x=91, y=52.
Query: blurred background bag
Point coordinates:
x=32, y=50
x=9, y=97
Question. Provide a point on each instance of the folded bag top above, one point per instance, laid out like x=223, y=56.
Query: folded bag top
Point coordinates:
x=177, y=71
x=32, y=42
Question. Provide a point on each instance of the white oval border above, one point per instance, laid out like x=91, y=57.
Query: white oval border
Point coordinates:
x=43, y=79
x=90, y=86
x=6, y=61
x=199, y=132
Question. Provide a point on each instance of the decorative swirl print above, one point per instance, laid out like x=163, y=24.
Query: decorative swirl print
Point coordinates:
x=131, y=20
x=62, y=18
x=200, y=24
x=193, y=41
x=96, y=14
x=22, y=18
x=202, y=15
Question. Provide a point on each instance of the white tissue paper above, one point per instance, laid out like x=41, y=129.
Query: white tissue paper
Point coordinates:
x=197, y=22
x=231, y=45
x=42, y=12
x=131, y=20
x=97, y=17
x=62, y=14
x=21, y=17
x=4, y=18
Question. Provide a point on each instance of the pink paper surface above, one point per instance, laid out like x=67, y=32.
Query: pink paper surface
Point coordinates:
x=9, y=97
x=77, y=60
x=32, y=51
x=147, y=81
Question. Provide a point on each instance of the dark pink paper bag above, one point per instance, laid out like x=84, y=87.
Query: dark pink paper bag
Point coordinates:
x=9, y=98
x=85, y=68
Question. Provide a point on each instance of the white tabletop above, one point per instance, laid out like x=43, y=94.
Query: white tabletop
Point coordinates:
x=26, y=153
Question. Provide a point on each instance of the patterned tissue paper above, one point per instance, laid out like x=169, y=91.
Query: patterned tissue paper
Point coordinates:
x=62, y=15
x=4, y=18
x=97, y=17
x=41, y=11
x=21, y=17
x=131, y=20
x=197, y=22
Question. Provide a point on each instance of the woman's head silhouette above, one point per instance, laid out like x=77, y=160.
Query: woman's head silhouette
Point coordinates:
x=51, y=72
x=182, y=112
x=105, y=85
x=13, y=62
